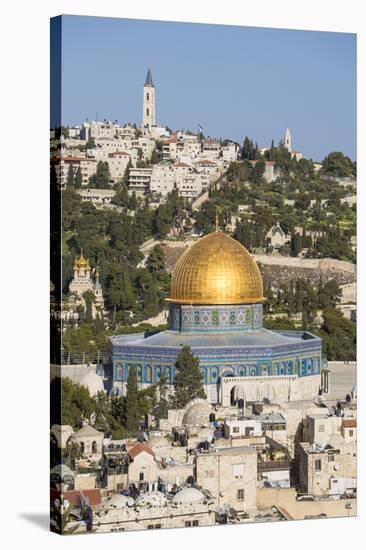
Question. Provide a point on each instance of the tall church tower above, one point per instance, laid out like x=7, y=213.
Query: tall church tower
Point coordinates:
x=287, y=140
x=148, y=114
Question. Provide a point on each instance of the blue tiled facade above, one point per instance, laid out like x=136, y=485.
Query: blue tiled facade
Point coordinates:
x=228, y=340
x=189, y=318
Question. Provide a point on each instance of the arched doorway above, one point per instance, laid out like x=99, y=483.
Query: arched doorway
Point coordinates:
x=268, y=393
x=236, y=393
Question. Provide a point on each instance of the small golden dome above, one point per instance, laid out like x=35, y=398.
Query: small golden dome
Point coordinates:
x=82, y=262
x=216, y=270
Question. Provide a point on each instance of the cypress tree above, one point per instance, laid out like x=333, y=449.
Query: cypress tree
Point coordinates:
x=70, y=176
x=188, y=378
x=132, y=408
x=78, y=180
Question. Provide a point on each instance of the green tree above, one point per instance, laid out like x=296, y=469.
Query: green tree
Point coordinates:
x=126, y=175
x=336, y=164
x=70, y=176
x=121, y=197
x=188, y=378
x=156, y=260
x=89, y=300
x=78, y=180
x=90, y=144
x=296, y=245
x=132, y=405
x=133, y=201
x=154, y=157
x=101, y=179
x=161, y=411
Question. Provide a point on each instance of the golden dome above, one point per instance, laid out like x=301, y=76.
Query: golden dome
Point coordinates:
x=82, y=262
x=216, y=270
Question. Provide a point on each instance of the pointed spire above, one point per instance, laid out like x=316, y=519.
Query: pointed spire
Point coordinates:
x=149, y=80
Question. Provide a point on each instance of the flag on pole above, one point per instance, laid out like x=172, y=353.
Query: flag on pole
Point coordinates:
x=200, y=129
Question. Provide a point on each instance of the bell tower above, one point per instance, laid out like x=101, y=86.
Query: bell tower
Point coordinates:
x=148, y=113
x=287, y=140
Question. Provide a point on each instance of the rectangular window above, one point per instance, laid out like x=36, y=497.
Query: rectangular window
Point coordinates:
x=321, y=428
x=141, y=476
x=157, y=525
x=350, y=433
x=331, y=458
x=241, y=495
x=195, y=523
x=236, y=430
x=187, y=524
x=318, y=465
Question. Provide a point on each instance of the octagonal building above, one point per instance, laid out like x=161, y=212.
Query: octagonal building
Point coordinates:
x=216, y=308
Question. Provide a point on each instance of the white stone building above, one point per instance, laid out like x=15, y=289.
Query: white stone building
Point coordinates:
x=118, y=162
x=230, y=475
x=97, y=130
x=277, y=238
x=230, y=152
x=242, y=427
x=62, y=165
x=83, y=282
x=139, y=180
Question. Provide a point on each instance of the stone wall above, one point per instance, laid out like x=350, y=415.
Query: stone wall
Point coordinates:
x=286, y=498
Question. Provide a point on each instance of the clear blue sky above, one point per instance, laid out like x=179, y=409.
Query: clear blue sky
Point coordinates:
x=234, y=81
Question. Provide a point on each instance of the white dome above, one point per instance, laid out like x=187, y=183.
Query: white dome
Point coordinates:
x=62, y=471
x=155, y=498
x=197, y=413
x=187, y=495
x=93, y=382
x=117, y=501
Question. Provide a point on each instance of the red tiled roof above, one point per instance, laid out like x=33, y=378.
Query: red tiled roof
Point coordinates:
x=119, y=154
x=134, y=448
x=74, y=497
x=349, y=422
x=181, y=165
x=207, y=162
x=74, y=159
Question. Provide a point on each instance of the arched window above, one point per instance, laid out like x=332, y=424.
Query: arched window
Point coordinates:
x=148, y=374
x=147, y=96
x=94, y=447
x=147, y=112
x=82, y=446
